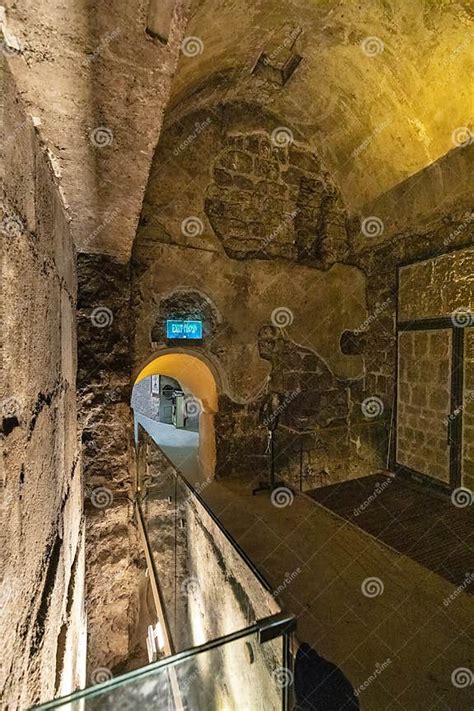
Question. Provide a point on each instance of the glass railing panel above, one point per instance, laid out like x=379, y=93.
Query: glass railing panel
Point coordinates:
x=244, y=672
x=208, y=586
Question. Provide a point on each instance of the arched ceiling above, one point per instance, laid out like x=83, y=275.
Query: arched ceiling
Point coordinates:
x=381, y=91
x=377, y=111
x=191, y=372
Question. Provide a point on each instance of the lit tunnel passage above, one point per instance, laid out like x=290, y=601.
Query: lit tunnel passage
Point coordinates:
x=200, y=403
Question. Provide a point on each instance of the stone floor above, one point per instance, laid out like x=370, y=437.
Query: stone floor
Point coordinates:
x=179, y=445
x=393, y=626
x=426, y=528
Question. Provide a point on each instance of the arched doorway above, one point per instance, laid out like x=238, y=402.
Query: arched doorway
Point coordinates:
x=197, y=382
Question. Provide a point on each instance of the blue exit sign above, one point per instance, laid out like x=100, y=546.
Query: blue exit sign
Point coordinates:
x=183, y=329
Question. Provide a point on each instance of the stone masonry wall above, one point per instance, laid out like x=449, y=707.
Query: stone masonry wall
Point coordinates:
x=258, y=228
x=112, y=551
x=424, y=402
x=270, y=198
x=439, y=287
x=42, y=617
x=468, y=422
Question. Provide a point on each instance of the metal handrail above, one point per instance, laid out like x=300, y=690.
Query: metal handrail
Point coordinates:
x=268, y=628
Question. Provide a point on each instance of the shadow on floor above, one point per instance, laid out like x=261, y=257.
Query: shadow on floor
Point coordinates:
x=321, y=685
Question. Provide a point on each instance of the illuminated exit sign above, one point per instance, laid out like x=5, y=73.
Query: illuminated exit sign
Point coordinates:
x=183, y=329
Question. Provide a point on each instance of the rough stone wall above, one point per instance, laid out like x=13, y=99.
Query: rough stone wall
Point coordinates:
x=329, y=354
x=253, y=250
x=112, y=553
x=378, y=91
x=82, y=67
x=424, y=402
x=42, y=520
x=440, y=286
x=272, y=199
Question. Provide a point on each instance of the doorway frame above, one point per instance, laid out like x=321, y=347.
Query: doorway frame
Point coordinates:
x=455, y=424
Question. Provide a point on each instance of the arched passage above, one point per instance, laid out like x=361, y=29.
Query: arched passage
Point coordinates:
x=197, y=379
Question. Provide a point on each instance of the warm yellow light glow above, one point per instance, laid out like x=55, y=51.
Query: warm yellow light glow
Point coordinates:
x=190, y=372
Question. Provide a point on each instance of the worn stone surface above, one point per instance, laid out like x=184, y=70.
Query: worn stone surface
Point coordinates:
x=42, y=614
x=112, y=565
x=327, y=433
x=438, y=287
x=424, y=402
x=379, y=92
x=99, y=85
x=263, y=241
x=468, y=411
x=112, y=584
x=270, y=200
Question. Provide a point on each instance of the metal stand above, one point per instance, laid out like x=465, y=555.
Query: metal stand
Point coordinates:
x=271, y=484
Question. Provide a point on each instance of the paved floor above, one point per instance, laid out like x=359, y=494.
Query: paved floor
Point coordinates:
x=393, y=626
x=181, y=446
x=426, y=528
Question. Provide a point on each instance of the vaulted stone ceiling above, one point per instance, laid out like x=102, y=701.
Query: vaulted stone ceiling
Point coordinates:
x=382, y=90
x=98, y=84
